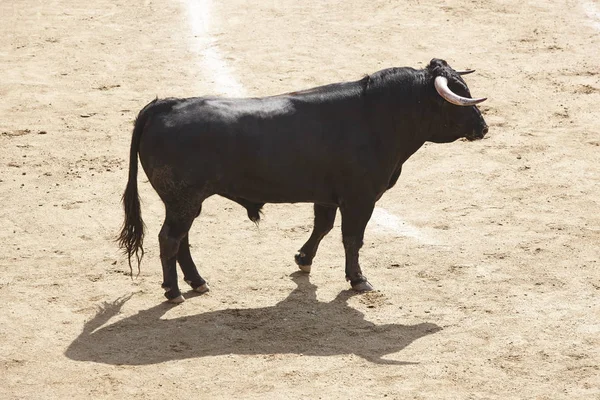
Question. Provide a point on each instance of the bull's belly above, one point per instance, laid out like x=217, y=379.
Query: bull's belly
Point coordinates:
x=274, y=179
x=261, y=190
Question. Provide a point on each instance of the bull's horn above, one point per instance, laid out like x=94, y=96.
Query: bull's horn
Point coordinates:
x=465, y=72
x=441, y=85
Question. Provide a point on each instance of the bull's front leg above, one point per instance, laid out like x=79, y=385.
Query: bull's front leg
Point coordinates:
x=324, y=219
x=354, y=222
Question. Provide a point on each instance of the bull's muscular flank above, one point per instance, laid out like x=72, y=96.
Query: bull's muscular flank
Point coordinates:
x=337, y=146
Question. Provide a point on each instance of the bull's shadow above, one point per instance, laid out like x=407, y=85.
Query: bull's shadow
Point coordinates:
x=300, y=324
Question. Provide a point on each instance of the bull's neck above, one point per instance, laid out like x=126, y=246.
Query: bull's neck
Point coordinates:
x=401, y=126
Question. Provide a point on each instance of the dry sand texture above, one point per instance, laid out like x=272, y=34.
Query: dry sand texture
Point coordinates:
x=485, y=254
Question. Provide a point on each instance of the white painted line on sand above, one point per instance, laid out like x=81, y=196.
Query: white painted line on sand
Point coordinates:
x=593, y=12
x=388, y=222
x=211, y=59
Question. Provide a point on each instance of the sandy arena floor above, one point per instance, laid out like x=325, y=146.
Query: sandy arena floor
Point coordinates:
x=485, y=255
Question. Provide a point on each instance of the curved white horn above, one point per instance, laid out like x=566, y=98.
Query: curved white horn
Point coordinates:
x=465, y=72
x=441, y=85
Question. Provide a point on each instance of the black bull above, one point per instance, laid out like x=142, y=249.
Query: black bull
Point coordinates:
x=337, y=146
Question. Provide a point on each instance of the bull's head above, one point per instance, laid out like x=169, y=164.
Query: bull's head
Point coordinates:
x=457, y=110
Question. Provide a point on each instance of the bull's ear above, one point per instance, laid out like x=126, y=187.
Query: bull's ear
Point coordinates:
x=437, y=63
x=438, y=67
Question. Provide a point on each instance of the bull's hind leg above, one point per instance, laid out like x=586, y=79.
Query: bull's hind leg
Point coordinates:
x=174, y=230
x=324, y=219
x=190, y=272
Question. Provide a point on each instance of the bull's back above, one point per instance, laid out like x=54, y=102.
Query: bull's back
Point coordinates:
x=277, y=149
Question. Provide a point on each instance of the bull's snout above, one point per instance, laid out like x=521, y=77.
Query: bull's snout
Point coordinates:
x=484, y=130
x=479, y=132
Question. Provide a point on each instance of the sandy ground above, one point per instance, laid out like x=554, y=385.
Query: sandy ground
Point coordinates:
x=497, y=296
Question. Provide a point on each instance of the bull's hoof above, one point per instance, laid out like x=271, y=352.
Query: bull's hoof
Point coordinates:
x=305, y=268
x=173, y=297
x=363, y=286
x=302, y=262
x=177, y=300
x=202, y=288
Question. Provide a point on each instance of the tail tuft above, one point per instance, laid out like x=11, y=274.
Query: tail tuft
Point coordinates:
x=131, y=238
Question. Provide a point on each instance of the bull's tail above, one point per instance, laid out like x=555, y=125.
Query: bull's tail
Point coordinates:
x=131, y=238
